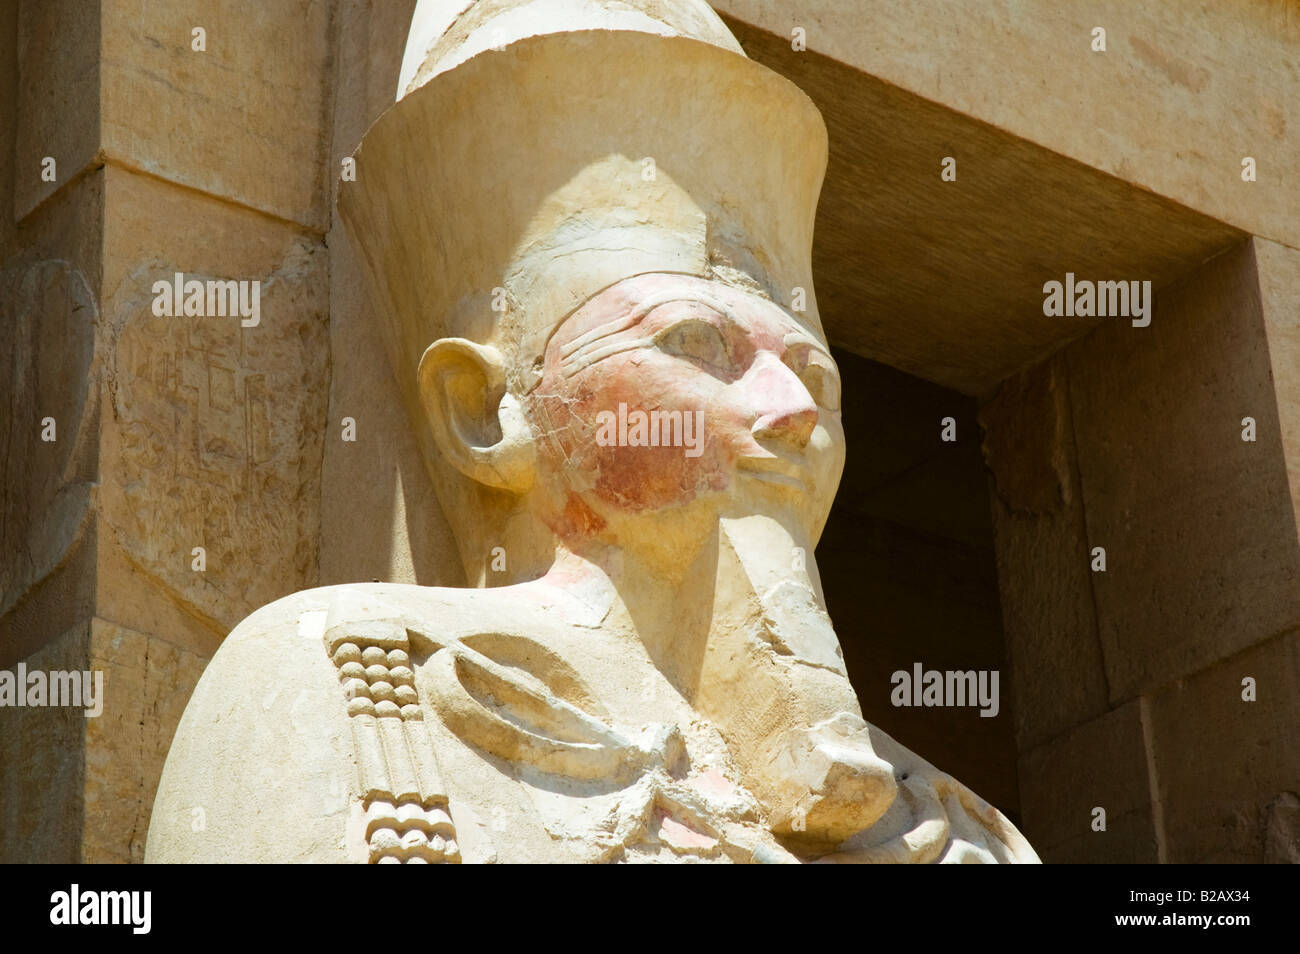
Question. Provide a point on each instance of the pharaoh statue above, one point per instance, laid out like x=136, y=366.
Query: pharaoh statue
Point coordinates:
x=586, y=230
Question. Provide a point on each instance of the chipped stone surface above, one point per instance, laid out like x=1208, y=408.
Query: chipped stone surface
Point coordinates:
x=218, y=120
x=78, y=789
x=1282, y=830
x=51, y=317
x=671, y=636
x=212, y=432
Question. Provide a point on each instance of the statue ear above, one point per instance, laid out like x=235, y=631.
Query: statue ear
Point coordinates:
x=476, y=423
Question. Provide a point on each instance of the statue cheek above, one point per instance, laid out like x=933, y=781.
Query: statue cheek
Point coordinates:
x=638, y=479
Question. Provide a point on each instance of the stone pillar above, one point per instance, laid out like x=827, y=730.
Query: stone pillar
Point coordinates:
x=1134, y=683
x=174, y=152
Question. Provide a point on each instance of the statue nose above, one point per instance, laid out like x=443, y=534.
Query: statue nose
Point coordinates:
x=788, y=413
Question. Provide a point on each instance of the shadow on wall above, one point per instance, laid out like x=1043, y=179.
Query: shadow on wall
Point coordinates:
x=908, y=567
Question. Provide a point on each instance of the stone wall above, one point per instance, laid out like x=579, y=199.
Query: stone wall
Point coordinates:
x=1130, y=679
x=170, y=435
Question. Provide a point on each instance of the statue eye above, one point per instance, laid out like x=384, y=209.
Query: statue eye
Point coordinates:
x=699, y=341
x=823, y=383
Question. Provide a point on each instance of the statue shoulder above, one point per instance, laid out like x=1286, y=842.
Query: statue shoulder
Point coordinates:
x=258, y=769
x=293, y=738
x=448, y=612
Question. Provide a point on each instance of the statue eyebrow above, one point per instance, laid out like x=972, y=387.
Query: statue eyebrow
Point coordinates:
x=585, y=350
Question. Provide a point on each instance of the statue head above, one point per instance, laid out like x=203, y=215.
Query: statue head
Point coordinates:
x=602, y=318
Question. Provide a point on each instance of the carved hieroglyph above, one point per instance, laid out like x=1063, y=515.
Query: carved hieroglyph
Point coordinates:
x=587, y=231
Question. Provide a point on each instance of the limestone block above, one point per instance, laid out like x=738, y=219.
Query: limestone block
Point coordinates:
x=147, y=682
x=372, y=36
x=247, y=119
x=49, y=374
x=1198, y=525
x=417, y=545
x=1100, y=764
x=1224, y=765
x=79, y=789
x=42, y=766
x=897, y=467
x=49, y=309
x=212, y=434
x=1171, y=73
x=58, y=97
x=1042, y=555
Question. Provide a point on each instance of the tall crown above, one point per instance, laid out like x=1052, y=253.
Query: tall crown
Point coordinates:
x=542, y=150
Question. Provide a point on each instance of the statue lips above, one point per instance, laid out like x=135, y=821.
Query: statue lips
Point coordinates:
x=775, y=469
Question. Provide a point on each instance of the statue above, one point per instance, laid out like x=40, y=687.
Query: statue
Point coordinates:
x=587, y=230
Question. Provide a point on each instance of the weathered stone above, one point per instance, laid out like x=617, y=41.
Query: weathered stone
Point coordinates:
x=1278, y=270
x=1282, y=830
x=1042, y=555
x=1100, y=764
x=49, y=370
x=1128, y=840
x=147, y=682
x=58, y=97
x=78, y=781
x=50, y=429
x=217, y=120
x=175, y=160
x=899, y=596
x=1198, y=525
x=43, y=766
x=418, y=546
x=8, y=120
x=1222, y=762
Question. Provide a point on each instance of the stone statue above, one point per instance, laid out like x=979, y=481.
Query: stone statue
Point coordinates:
x=587, y=227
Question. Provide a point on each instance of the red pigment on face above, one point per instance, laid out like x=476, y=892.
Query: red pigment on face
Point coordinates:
x=644, y=478
x=578, y=520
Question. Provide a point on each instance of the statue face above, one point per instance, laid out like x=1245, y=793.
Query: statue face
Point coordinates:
x=677, y=400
